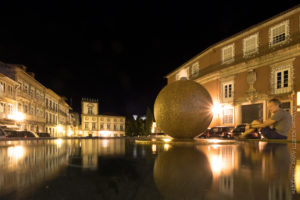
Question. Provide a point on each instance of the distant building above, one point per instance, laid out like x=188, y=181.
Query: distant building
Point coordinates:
x=244, y=71
x=26, y=104
x=94, y=124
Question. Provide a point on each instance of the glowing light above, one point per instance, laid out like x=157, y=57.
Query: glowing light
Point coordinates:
x=214, y=141
x=105, y=133
x=166, y=147
x=17, y=116
x=297, y=177
x=216, y=163
x=58, y=142
x=153, y=127
x=59, y=128
x=215, y=146
x=167, y=139
x=105, y=143
x=216, y=108
x=153, y=148
x=70, y=132
x=16, y=152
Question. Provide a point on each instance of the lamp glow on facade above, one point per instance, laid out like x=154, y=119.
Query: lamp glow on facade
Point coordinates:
x=18, y=116
x=216, y=109
x=105, y=133
x=59, y=129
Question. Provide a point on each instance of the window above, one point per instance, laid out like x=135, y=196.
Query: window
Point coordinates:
x=115, y=127
x=19, y=107
x=2, y=107
x=86, y=125
x=101, y=126
x=227, y=91
x=9, y=108
x=93, y=126
x=228, y=54
x=25, y=88
x=90, y=110
x=25, y=108
x=195, y=69
x=46, y=102
x=108, y=126
x=228, y=116
x=46, y=117
x=250, y=44
x=121, y=127
x=279, y=33
x=282, y=79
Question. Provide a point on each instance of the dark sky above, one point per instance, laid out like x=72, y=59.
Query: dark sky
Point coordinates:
x=118, y=51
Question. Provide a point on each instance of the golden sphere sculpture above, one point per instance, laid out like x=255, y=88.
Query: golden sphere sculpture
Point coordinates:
x=182, y=109
x=182, y=173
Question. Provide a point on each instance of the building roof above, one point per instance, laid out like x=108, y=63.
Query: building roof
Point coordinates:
x=239, y=34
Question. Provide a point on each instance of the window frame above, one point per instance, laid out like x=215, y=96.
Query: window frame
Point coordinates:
x=287, y=34
x=230, y=60
x=248, y=53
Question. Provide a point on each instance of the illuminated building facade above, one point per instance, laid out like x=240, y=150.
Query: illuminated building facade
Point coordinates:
x=26, y=104
x=8, y=101
x=94, y=124
x=244, y=71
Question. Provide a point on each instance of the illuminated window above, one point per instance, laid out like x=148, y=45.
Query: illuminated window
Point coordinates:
x=228, y=54
x=228, y=116
x=227, y=91
x=250, y=44
x=86, y=125
x=282, y=79
x=279, y=33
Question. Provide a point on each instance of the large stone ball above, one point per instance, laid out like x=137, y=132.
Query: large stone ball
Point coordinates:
x=182, y=173
x=182, y=109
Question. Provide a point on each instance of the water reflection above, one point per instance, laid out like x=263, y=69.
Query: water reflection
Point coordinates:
x=119, y=169
x=23, y=167
x=250, y=170
x=182, y=173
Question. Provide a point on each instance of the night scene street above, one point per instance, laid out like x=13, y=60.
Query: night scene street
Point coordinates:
x=149, y=100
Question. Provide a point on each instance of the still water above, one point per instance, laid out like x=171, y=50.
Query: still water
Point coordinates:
x=122, y=169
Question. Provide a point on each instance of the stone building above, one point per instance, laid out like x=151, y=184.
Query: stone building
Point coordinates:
x=22, y=96
x=94, y=124
x=244, y=71
x=8, y=102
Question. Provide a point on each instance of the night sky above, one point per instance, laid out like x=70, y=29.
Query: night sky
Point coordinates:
x=118, y=51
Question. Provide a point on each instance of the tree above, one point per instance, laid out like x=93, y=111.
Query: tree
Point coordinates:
x=149, y=121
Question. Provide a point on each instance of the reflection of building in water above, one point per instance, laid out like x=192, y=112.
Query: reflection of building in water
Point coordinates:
x=249, y=171
x=91, y=149
x=24, y=166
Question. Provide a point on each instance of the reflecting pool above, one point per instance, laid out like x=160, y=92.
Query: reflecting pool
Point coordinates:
x=125, y=169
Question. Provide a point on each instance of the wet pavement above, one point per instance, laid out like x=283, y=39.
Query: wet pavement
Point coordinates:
x=122, y=169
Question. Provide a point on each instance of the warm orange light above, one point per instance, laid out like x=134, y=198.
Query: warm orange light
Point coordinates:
x=105, y=133
x=17, y=116
x=16, y=152
x=216, y=109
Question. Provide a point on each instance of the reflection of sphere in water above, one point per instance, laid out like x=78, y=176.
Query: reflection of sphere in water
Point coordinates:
x=182, y=173
x=182, y=109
